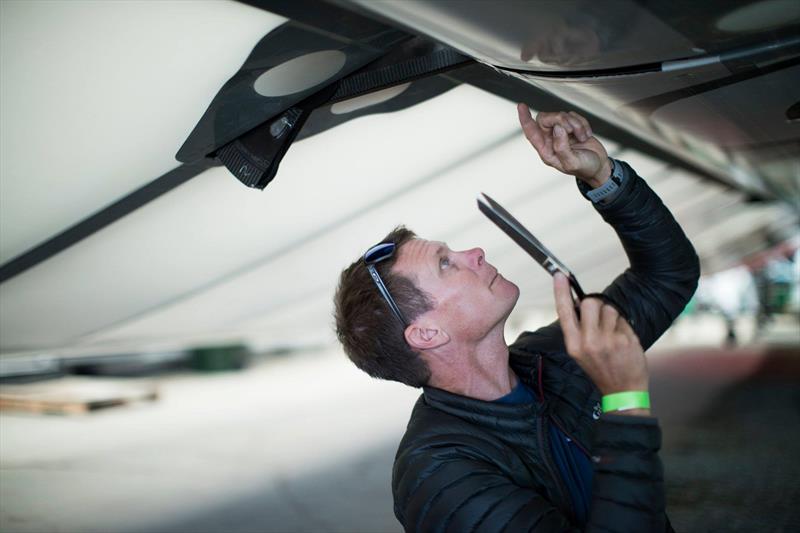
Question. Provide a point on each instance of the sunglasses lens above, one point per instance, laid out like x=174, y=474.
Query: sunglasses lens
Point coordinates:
x=379, y=252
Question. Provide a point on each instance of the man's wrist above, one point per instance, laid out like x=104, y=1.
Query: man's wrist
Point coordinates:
x=608, y=191
x=634, y=399
x=602, y=176
x=632, y=412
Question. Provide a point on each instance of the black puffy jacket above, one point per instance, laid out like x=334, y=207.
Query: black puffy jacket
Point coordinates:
x=470, y=465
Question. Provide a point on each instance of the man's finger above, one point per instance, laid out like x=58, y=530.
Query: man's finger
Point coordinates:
x=541, y=140
x=531, y=129
x=608, y=319
x=565, y=308
x=524, y=114
x=563, y=151
x=586, y=126
x=578, y=131
x=548, y=155
x=550, y=120
x=590, y=317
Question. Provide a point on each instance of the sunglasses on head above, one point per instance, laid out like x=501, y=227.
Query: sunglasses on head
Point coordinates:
x=373, y=256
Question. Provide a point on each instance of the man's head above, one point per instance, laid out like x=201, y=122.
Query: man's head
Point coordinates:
x=371, y=335
x=449, y=300
x=470, y=297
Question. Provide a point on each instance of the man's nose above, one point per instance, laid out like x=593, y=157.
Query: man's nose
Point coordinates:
x=476, y=257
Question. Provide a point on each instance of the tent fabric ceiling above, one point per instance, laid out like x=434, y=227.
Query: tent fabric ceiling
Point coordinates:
x=96, y=98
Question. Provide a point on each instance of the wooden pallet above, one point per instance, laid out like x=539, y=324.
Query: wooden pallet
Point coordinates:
x=74, y=395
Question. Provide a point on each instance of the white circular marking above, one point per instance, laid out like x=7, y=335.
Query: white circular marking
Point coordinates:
x=366, y=100
x=300, y=73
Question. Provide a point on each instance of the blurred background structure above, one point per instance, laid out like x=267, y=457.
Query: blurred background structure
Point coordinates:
x=167, y=361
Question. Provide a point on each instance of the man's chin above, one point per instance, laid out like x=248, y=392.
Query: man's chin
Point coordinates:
x=511, y=293
x=516, y=295
x=510, y=284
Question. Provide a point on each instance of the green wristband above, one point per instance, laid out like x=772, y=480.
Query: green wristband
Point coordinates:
x=622, y=401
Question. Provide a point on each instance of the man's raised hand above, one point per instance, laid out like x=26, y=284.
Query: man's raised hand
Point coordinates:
x=565, y=142
x=602, y=343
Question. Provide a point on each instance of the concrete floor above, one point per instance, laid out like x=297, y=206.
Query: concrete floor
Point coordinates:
x=731, y=427
x=306, y=443
x=299, y=444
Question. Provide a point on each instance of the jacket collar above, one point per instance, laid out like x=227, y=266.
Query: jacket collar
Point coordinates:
x=490, y=415
x=562, y=389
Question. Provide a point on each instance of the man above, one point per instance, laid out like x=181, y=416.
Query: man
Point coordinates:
x=512, y=438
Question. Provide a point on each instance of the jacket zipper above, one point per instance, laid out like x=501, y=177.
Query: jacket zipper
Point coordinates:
x=541, y=395
x=570, y=437
x=546, y=449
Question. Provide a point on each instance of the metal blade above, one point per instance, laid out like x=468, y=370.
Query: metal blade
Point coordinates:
x=525, y=239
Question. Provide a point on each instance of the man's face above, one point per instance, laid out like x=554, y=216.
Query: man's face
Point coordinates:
x=470, y=296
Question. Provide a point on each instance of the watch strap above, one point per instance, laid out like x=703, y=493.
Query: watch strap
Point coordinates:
x=611, y=186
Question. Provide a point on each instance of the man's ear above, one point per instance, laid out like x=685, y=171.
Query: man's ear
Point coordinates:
x=422, y=336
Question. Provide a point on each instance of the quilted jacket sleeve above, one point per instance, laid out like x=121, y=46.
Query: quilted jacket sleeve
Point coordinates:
x=663, y=271
x=452, y=489
x=628, y=484
x=460, y=493
x=664, y=267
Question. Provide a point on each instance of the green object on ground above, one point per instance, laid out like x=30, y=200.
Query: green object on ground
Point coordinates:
x=219, y=358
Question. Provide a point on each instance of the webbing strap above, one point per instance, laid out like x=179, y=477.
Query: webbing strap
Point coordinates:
x=401, y=72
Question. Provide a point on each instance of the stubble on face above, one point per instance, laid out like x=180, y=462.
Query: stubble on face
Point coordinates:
x=469, y=297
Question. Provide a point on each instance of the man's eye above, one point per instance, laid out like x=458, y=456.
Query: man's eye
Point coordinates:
x=444, y=263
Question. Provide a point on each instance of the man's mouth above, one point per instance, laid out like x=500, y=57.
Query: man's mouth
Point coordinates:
x=494, y=278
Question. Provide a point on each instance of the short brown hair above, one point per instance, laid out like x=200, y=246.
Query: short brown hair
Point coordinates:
x=371, y=335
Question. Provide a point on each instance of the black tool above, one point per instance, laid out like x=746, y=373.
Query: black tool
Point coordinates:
x=520, y=235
